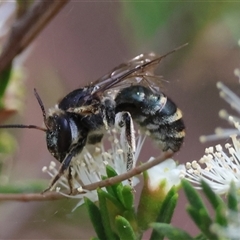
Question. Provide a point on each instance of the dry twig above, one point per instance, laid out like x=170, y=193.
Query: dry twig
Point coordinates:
x=27, y=27
x=26, y=197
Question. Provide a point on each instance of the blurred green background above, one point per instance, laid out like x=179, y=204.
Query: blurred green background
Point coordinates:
x=88, y=39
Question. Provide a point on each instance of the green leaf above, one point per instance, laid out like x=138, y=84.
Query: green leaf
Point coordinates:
x=168, y=206
x=232, y=198
x=114, y=188
x=194, y=215
x=124, y=229
x=105, y=216
x=216, y=202
x=212, y=197
x=95, y=217
x=4, y=80
x=192, y=196
x=116, y=202
x=110, y=189
x=125, y=195
x=200, y=237
x=197, y=210
x=221, y=217
x=110, y=171
x=171, y=232
x=202, y=221
x=166, y=212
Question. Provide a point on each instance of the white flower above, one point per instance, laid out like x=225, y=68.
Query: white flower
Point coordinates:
x=232, y=230
x=90, y=167
x=167, y=171
x=221, y=167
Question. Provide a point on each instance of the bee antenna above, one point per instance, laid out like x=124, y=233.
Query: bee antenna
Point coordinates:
x=41, y=104
x=174, y=50
x=31, y=126
x=23, y=126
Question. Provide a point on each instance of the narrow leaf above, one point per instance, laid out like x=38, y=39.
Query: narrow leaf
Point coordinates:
x=126, y=197
x=194, y=215
x=197, y=205
x=166, y=213
x=116, y=202
x=216, y=202
x=105, y=215
x=95, y=217
x=124, y=229
x=171, y=232
x=112, y=189
x=212, y=197
x=192, y=195
x=232, y=198
x=4, y=79
x=202, y=220
x=168, y=206
x=221, y=217
x=200, y=237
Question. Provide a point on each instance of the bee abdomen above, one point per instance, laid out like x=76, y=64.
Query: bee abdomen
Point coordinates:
x=156, y=114
x=167, y=133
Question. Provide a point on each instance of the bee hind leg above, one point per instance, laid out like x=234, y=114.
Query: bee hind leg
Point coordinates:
x=124, y=122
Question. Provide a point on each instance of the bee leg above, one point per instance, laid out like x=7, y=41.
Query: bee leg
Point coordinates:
x=64, y=166
x=70, y=180
x=124, y=121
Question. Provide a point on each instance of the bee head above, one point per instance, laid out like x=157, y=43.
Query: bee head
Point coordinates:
x=60, y=130
x=59, y=135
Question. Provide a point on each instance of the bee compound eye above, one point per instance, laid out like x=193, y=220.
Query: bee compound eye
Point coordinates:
x=64, y=134
x=59, y=137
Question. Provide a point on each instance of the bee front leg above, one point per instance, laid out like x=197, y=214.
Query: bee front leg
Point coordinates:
x=64, y=166
x=70, y=179
x=124, y=121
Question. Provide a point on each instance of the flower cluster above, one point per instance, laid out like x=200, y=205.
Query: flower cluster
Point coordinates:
x=217, y=167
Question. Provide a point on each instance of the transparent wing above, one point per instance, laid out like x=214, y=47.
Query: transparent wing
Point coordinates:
x=139, y=70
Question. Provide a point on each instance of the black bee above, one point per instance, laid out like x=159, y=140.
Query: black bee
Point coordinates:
x=129, y=92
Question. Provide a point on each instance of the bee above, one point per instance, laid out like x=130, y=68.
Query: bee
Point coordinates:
x=130, y=92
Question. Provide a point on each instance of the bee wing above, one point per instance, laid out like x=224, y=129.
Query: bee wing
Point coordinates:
x=139, y=70
x=127, y=74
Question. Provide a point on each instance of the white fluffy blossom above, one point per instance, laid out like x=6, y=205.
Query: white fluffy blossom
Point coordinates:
x=218, y=167
x=90, y=167
x=167, y=171
x=232, y=230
